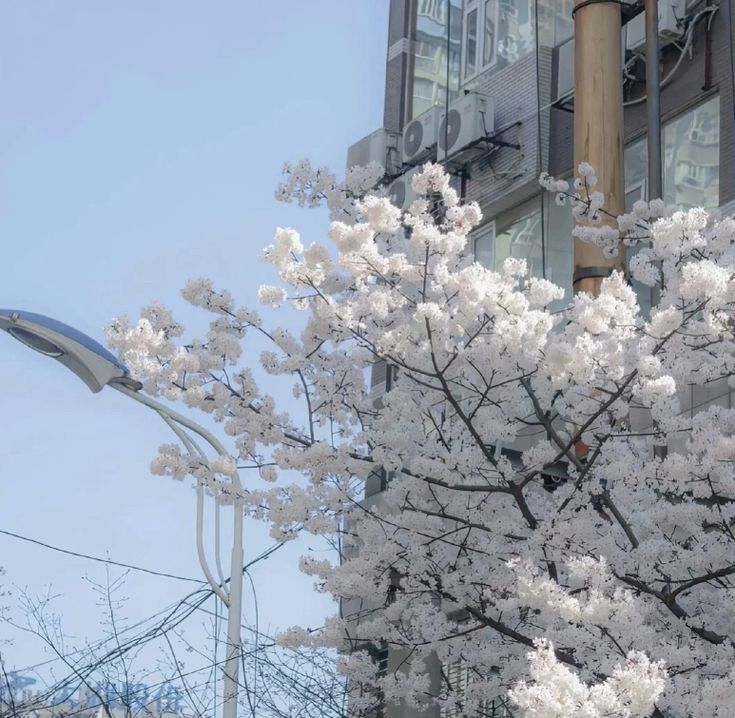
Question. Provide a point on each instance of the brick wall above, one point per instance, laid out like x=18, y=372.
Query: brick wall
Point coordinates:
x=508, y=176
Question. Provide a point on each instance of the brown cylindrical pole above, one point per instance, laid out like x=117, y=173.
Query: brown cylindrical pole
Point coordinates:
x=598, y=125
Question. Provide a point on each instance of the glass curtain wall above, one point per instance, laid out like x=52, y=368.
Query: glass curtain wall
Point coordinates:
x=438, y=31
x=555, y=23
x=539, y=231
x=495, y=34
x=691, y=158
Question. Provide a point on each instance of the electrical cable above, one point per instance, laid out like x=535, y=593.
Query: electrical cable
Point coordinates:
x=689, y=35
x=170, y=609
x=108, y=561
x=143, y=689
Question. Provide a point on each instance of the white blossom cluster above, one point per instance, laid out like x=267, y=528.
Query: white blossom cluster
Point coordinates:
x=547, y=483
x=310, y=187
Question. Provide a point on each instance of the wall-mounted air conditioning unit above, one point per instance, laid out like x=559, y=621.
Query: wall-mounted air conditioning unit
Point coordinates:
x=669, y=29
x=419, y=137
x=470, y=117
x=400, y=192
x=382, y=146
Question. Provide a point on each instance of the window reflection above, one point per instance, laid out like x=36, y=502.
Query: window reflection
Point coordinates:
x=488, y=50
x=496, y=34
x=522, y=240
x=690, y=172
x=691, y=158
x=471, y=43
x=558, y=225
x=519, y=237
x=435, y=19
x=555, y=23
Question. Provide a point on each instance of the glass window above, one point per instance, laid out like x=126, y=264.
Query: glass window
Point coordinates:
x=690, y=172
x=555, y=23
x=470, y=43
x=423, y=95
x=690, y=157
x=488, y=41
x=516, y=32
x=522, y=240
x=485, y=244
x=559, y=246
x=517, y=234
x=496, y=33
x=634, y=192
x=438, y=31
x=542, y=238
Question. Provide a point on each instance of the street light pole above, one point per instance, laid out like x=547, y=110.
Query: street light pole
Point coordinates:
x=233, y=599
x=97, y=368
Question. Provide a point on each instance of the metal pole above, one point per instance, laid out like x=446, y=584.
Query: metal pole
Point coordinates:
x=653, y=100
x=653, y=122
x=234, y=613
x=598, y=126
x=233, y=600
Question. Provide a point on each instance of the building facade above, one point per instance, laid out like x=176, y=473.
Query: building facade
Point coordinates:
x=507, y=65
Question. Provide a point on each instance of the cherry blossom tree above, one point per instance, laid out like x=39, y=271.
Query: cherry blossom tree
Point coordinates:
x=555, y=517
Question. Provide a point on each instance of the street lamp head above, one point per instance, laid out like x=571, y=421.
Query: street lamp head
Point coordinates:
x=88, y=359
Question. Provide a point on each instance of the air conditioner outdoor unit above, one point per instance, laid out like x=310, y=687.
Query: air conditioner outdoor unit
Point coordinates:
x=668, y=27
x=470, y=118
x=400, y=192
x=382, y=146
x=419, y=137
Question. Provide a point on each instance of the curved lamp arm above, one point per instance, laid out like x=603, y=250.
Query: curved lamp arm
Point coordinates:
x=193, y=449
x=98, y=368
x=210, y=438
x=173, y=419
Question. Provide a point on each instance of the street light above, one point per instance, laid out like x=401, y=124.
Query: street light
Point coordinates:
x=97, y=368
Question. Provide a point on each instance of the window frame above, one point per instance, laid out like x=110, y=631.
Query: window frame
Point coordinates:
x=485, y=231
x=479, y=7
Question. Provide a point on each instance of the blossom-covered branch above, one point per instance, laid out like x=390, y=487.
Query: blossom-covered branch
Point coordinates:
x=523, y=504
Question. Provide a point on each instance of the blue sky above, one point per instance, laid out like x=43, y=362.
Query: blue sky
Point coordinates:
x=140, y=143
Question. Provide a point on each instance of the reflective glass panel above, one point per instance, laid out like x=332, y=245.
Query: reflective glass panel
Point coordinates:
x=691, y=157
x=488, y=43
x=470, y=57
x=438, y=31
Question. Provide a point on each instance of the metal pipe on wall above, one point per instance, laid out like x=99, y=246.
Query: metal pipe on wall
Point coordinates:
x=653, y=100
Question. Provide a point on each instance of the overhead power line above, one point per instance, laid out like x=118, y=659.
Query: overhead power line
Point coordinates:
x=163, y=574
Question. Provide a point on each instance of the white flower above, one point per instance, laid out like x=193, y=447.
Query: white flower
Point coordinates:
x=273, y=296
x=542, y=292
x=431, y=178
x=224, y=465
x=514, y=267
x=643, y=270
x=704, y=280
